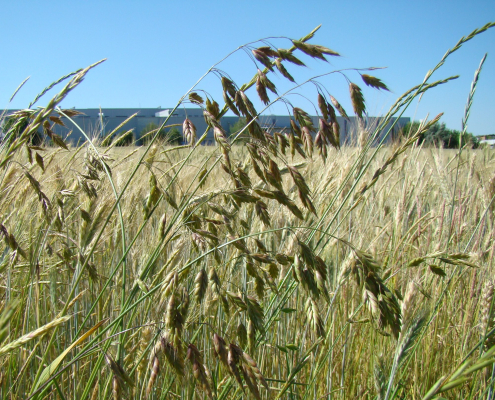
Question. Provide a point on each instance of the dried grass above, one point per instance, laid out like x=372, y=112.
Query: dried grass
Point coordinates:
x=216, y=257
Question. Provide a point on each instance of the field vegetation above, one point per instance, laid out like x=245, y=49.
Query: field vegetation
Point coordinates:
x=284, y=267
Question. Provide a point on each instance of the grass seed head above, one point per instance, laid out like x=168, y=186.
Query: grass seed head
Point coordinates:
x=488, y=313
x=221, y=349
x=200, y=285
x=233, y=359
x=339, y=108
x=281, y=68
x=155, y=370
x=374, y=82
x=357, y=99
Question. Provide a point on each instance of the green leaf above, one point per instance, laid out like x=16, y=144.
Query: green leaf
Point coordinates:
x=48, y=371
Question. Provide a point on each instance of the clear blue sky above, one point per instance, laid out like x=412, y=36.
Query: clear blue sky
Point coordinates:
x=156, y=50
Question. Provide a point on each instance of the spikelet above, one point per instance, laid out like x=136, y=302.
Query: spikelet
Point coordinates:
x=118, y=372
x=116, y=389
x=153, y=196
x=171, y=313
x=399, y=221
x=407, y=306
x=262, y=258
x=214, y=281
x=314, y=51
x=170, y=199
x=251, y=336
x=306, y=253
x=173, y=354
x=155, y=370
x=200, y=285
x=282, y=259
x=255, y=369
x=259, y=287
x=281, y=68
x=163, y=226
x=281, y=141
x=11, y=242
x=374, y=82
x=239, y=243
x=272, y=180
x=293, y=146
x=488, y=313
x=32, y=335
x=267, y=82
x=244, y=177
x=331, y=113
x=169, y=284
x=357, y=99
x=380, y=378
x=314, y=318
x=339, y=108
x=230, y=104
x=213, y=108
x=263, y=83
x=94, y=394
x=250, y=380
x=297, y=271
x=7, y=313
x=233, y=360
x=257, y=169
x=324, y=134
x=242, y=334
x=221, y=138
x=303, y=118
x=263, y=58
x=240, y=103
x=221, y=349
x=251, y=111
x=183, y=308
x=195, y=98
x=409, y=337
x=268, y=51
x=228, y=86
x=146, y=336
x=199, y=371
x=321, y=286
x=255, y=130
x=323, y=106
x=288, y=56
x=321, y=267
x=261, y=89
x=189, y=131
x=307, y=139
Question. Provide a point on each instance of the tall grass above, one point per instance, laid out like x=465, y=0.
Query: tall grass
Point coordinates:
x=287, y=267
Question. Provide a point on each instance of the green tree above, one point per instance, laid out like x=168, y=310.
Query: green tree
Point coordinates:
x=123, y=138
x=236, y=128
x=173, y=136
x=167, y=136
x=441, y=136
x=147, y=133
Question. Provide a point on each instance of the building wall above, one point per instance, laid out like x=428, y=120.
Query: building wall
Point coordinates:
x=95, y=125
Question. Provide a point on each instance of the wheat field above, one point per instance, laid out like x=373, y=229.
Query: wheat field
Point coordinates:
x=286, y=267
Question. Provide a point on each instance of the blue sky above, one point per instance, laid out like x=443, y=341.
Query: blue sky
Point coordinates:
x=156, y=50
